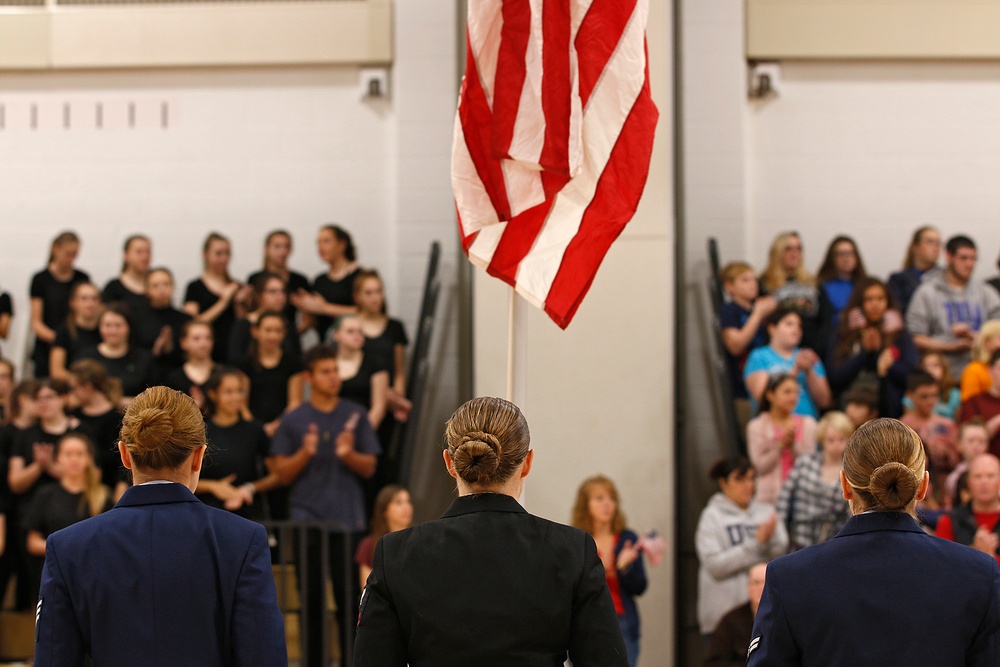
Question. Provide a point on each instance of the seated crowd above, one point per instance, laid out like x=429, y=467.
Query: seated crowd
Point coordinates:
x=811, y=358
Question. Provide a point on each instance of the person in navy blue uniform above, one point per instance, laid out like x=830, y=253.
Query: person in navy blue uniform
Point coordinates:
x=487, y=584
x=160, y=579
x=882, y=592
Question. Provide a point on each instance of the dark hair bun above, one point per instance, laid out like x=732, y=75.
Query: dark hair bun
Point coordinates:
x=152, y=429
x=477, y=456
x=893, y=485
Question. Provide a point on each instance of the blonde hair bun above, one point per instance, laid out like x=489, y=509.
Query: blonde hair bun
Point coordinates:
x=893, y=485
x=474, y=435
x=477, y=456
x=152, y=428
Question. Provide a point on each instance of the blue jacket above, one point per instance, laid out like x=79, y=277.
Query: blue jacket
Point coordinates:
x=159, y=580
x=882, y=592
x=631, y=581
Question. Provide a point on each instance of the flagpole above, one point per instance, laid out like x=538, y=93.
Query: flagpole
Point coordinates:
x=516, y=356
x=510, y=344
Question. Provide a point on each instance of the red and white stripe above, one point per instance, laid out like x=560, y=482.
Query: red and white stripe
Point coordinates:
x=553, y=137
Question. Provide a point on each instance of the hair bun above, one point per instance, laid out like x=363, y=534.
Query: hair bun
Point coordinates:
x=152, y=428
x=477, y=456
x=893, y=485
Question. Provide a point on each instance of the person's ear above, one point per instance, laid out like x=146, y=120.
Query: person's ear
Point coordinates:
x=449, y=464
x=197, y=458
x=526, y=466
x=925, y=485
x=123, y=453
x=846, y=487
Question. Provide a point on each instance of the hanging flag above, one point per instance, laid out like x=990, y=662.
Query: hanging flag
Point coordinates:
x=553, y=138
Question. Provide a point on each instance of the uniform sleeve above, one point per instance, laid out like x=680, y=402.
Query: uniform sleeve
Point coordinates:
x=58, y=642
x=771, y=641
x=380, y=641
x=595, y=637
x=258, y=629
x=985, y=647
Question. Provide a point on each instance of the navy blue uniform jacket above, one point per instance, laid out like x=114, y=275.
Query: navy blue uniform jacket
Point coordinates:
x=159, y=580
x=487, y=585
x=882, y=592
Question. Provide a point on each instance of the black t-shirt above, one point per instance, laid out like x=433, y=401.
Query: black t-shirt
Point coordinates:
x=384, y=345
x=269, y=386
x=240, y=339
x=359, y=387
x=296, y=281
x=54, y=295
x=115, y=291
x=340, y=292
x=239, y=449
x=8, y=435
x=24, y=444
x=133, y=370
x=179, y=380
x=198, y=292
x=146, y=328
x=56, y=508
x=76, y=341
x=106, y=431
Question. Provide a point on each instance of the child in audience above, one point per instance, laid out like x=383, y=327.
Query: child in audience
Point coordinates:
x=783, y=355
x=793, y=287
x=50, y=291
x=811, y=502
x=79, y=331
x=734, y=531
x=872, y=348
x=130, y=285
x=742, y=321
x=939, y=433
x=215, y=297
x=860, y=405
x=936, y=364
x=973, y=440
x=840, y=272
x=986, y=406
x=777, y=436
x=393, y=511
x=976, y=376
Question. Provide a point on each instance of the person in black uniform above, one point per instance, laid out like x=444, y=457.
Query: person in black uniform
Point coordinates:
x=130, y=285
x=333, y=290
x=865, y=597
x=50, y=290
x=487, y=584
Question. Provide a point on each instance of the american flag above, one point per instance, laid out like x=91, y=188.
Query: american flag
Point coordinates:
x=553, y=138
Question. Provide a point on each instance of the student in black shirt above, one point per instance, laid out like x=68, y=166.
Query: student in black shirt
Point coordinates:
x=277, y=249
x=215, y=297
x=97, y=397
x=333, y=291
x=234, y=471
x=130, y=285
x=159, y=325
x=20, y=417
x=79, y=331
x=385, y=338
x=363, y=378
x=128, y=363
x=268, y=295
x=276, y=382
x=50, y=290
x=78, y=495
x=197, y=343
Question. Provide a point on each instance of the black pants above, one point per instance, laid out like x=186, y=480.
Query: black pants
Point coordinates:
x=340, y=561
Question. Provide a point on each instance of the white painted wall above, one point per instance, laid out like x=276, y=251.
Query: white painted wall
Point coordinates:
x=598, y=396
x=875, y=150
